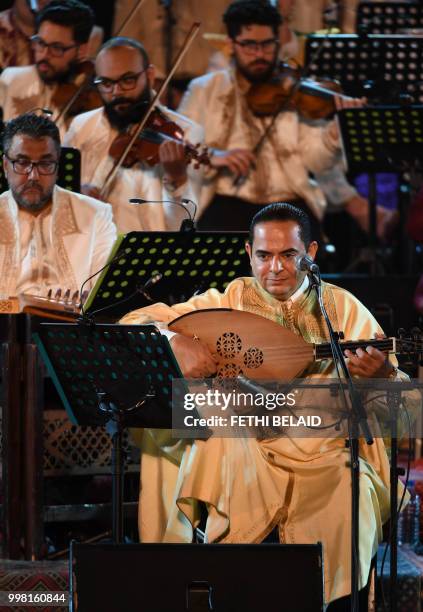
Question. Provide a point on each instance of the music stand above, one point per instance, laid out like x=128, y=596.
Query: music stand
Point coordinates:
x=379, y=139
x=188, y=263
x=376, y=65
x=112, y=376
x=69, y=175
x=388, y=17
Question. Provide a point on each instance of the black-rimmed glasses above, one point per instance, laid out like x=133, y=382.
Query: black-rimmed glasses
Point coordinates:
x=125, y=82
x=25, y=166
x=56, y=49
x=252, y=46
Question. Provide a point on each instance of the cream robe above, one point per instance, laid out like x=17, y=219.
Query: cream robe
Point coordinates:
x=92, y=133
x=217, y=102
x=81, y=237
x=22, y=90
x=249, y=486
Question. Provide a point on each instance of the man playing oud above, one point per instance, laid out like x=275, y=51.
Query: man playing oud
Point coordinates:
x=279, y=489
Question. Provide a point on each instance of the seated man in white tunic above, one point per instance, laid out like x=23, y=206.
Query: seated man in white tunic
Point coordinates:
x=50, y=238
x=244, y=176
x=124, y=81
x=301, y=487
x=60, y=44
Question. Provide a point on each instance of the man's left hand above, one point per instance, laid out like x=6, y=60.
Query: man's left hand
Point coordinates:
x=369, y=363
x=172, y=156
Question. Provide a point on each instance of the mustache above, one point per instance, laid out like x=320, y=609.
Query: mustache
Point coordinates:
x=32, y=185
x=261, y=63
x=43, y=63
x=122, y=100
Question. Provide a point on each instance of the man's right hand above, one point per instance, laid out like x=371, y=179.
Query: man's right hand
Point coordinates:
x=238, y=161
x=90, y=190
x=193, y=357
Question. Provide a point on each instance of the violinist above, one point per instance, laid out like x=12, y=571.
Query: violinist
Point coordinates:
x=17, y=26
x=124, y=78
x=63, y=29
x=240, y=180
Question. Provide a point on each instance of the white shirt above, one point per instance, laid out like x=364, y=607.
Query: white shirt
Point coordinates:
x=38, y=270
x=293, y=148
x=93, y=135
x=22, y=90
x=58, y=248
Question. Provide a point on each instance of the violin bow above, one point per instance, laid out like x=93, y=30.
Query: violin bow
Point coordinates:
x=73, y=98
x=112, y=174
x=128, y=18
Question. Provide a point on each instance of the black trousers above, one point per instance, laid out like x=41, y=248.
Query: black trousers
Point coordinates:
x=226, y=213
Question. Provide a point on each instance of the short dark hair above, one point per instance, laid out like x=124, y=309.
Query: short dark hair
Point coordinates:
x=124, y=41
x=34, y=126
x=281, y=211
x=248, y=12
x=69, y=13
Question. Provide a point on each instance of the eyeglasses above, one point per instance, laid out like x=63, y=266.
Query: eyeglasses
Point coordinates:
x=24, y=166
x=56, y=49
x=126, y=82
x=251, y=47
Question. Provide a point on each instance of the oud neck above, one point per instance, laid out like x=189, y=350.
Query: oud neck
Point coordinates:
x=386, y=345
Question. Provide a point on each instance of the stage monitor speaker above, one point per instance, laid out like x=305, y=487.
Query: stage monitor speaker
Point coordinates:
x=196, y=577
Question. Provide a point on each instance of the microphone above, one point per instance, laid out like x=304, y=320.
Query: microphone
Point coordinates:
x=118, y=255
x=139, y=289
x=306, y=264
x=150, y=283
x=188, y=223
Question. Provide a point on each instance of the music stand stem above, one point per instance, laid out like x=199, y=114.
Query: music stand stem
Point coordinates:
x=115, y=429
x=393, y=403
x=357, y=420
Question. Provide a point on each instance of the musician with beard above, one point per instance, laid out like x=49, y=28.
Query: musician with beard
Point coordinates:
x=17, y=26
x=124, y=81
x=63, y=28
x=280, y=169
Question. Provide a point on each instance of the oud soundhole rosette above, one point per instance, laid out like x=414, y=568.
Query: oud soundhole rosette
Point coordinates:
x=229, y=370
x=253, y=357
x=229, y=345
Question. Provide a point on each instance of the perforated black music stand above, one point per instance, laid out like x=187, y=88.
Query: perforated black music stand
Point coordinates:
x=389, y=17
x=115, y=376
x=379, y=139
x=188, y=263
x=375, y=66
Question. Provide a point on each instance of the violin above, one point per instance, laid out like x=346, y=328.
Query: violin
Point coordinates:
x=79, y=96
x=287, y=91
x=145, y=149
x=137, y=130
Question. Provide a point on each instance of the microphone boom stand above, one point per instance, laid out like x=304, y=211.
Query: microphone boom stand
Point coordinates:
x=357, y=420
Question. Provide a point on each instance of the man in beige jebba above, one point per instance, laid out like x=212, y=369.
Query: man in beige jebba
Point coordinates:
x=250, y=487
x=50, y=238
